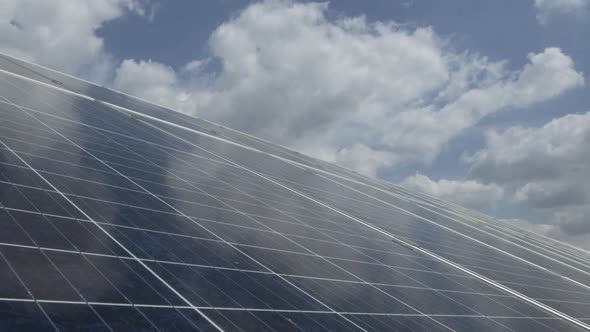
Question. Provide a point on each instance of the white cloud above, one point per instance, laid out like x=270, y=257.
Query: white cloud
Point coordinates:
x=329, y=87
x=547, y=8
x=552, y=194
x=425, y=130
x=549, y=165
x=144, y=8
x=468, y=193
x=559, y=148
x=360, y=157
x=195, y=66
x=61, y=34
x=153, y=79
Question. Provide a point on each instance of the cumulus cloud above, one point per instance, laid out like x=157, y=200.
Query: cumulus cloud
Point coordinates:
x=61, y=34
x=153, y=79
x=144, y=8
x=367, y=95
x=552, y=194
x=558, y=148
x=574, y=221
x=425, y=130
x=360, y=157
x=549, y=165
x=468, y=193
x=546, y=8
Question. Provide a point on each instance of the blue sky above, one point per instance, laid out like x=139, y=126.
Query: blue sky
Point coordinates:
x=484, y=103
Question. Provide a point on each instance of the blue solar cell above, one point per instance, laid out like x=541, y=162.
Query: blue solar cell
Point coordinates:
x=23, y=316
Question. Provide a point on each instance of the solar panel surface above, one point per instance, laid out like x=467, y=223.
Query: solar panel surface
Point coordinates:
x=119, y=215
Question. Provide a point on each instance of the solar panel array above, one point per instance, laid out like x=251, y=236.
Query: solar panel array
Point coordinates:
x=121, y=215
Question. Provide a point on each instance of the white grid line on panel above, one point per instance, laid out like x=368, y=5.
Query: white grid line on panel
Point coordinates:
x=428, y=253
x=141, y=305
x=311, y=250
x=286, y=274
x=168, y=212
x=117, y=134
x=35, y=81
x=289, y=235
x=74, y=252
x=152, y=143
x=404, y=213
x=225, y=182
x=479, y=241
x=116, y=171
x=65, y=278
x=401, y=210
x=115, y=240
x=381, y=182
x=32, y=299
x=252, y=246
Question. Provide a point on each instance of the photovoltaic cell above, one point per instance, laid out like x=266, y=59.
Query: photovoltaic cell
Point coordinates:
x=119, y=215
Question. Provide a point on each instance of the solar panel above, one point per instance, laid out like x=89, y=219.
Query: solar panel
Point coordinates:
x=117, y=214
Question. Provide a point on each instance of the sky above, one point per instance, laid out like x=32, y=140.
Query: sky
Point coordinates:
x=483, y=103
